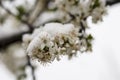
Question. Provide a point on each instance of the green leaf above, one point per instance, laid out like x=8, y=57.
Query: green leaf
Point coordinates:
x=96, y=4
x=21, y=12
x=89, y=46
x=2, y=19
x=89, y=37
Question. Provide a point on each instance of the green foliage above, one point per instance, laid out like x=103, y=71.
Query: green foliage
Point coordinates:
x=23, y=75
x=96, y=4
x=89, y=40
x=2, y=19
x=21, y=11
x=89, y=37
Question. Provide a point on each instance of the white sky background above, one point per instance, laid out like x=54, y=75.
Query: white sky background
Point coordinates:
x=102, y=64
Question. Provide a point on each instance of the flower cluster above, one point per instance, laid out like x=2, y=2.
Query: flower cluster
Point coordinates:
x=77, y=12
x=74, y=11
x=52, y=41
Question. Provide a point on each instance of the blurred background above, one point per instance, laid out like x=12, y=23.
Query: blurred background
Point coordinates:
x=101, y=64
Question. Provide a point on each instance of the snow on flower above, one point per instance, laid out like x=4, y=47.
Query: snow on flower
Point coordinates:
x=52, y=41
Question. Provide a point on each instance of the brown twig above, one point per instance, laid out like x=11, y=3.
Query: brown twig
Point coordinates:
x=32, y=68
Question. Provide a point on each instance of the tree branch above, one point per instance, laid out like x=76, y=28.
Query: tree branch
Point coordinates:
x=40, y=6
x=18, y=37
x=21, y=20
x=112, y=2
x=32, y=68
x=4, y=42
x=31, y=19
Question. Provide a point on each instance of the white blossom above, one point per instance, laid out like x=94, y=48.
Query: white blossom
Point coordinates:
x=80, y=9
x=52, y=41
